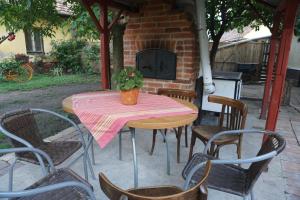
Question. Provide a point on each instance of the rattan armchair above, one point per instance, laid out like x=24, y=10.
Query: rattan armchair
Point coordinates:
x=196, y=192
x=25, y=128
x=62, y=184
x=225, y=175
x=185, y=95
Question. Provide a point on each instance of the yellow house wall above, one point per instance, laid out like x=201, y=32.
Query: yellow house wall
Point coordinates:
x=18, y=46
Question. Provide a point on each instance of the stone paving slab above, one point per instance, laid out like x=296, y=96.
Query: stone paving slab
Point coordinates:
x=281, y=182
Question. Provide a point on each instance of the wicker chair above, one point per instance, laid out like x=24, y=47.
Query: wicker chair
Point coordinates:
x=227, y=177
x=63, y=184
x=196, y=192
x=180, y=94
x=25, y=128
x=232, y=117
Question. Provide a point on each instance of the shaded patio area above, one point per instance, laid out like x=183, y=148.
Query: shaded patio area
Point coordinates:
x=280, y=182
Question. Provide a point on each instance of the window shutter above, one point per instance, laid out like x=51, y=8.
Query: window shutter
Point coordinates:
x=38, y=41
x=28, y=41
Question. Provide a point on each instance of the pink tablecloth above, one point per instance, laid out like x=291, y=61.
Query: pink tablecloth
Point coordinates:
x=104, y=116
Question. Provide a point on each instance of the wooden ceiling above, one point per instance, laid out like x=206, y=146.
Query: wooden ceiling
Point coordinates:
x=132, y=5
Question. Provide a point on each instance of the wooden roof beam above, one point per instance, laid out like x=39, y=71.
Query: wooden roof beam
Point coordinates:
x=266, y=4
x=118, y=5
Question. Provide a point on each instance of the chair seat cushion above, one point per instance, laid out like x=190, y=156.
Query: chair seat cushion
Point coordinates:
x=226, y=178
x=67, y=193
x=206, y=132
x=58, y=151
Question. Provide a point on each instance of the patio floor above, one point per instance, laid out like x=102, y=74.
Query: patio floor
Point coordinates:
x=281, y=182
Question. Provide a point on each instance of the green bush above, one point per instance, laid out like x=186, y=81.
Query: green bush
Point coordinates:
x=75, y=56
x=12, y=66
x=90, y=58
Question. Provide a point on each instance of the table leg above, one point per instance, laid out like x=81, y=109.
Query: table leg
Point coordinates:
x=132, y=130
x=168, y=155
x=120, y=145
x=178, y=136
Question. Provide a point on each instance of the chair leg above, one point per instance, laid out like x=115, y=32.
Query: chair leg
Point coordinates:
x=120, y=145
x=178, y=136
x=252, y=195
x=93, y=153
x=212, y=150
x=186, y=135
x=239, y=150
x=153, y=141
x=165, y=132
x=193, y=141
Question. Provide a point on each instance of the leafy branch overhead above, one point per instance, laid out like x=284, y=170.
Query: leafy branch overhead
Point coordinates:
x=226, y=15
x=297, y=28
x=35, y=15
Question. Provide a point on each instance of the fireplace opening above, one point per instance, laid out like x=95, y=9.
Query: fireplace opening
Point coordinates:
x=157, y=64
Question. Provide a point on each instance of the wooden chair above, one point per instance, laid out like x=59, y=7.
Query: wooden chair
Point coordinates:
x=232, y=117
x=225, y=175
x=197, y=192
x=186, y=95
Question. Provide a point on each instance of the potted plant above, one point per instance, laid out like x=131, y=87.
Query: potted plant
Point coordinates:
x=11, y=69
x=129, y=81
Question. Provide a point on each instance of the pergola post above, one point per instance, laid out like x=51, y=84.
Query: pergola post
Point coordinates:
x=104, y=43
x=289, y=9
x=104, y=29
x=271, y=62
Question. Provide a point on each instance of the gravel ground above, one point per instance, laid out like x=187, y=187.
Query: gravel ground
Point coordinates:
x=48, y=98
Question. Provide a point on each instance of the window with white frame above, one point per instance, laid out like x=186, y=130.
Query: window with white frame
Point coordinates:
x=34, y=42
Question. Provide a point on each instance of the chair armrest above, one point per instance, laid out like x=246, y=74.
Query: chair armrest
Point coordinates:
x=33, y=150
x=219, y=162
x=235, y=132
x=48, y=188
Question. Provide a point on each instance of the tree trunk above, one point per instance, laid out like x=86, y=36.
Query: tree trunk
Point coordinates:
x=213, y=53
x=118, y=55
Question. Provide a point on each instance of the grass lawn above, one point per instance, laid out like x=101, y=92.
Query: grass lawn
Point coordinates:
x=42, y=81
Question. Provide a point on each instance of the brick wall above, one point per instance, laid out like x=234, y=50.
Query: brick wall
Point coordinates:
x=159, y=25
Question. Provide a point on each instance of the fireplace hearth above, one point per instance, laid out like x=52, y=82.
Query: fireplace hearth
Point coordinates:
x=157, y=63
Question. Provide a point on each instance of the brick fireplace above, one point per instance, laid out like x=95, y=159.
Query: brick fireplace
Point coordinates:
x=160, y=25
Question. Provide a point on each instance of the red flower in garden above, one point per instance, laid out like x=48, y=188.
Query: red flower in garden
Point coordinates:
x=11, y=36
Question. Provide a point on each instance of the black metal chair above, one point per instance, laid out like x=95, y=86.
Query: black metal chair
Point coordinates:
x=225, y=175
x=62, y=184
x=26, y=127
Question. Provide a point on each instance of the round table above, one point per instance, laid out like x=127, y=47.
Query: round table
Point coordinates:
x=165, y=122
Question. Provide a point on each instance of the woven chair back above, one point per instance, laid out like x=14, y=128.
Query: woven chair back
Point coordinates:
x=273, y=143
x=22, y=124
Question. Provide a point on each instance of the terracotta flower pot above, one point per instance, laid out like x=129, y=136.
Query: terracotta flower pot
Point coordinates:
x=130, y=97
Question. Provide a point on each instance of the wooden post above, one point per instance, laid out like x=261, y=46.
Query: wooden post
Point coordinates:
x=290, y=11
x=270, y=66
x=104, y=43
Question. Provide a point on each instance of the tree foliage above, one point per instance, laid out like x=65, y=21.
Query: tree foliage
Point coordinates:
x=81, y=24
x=226, y=15
x=35, y=15
x=297, y=27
